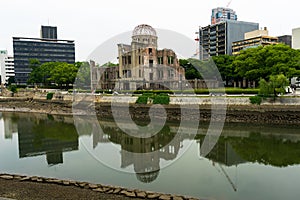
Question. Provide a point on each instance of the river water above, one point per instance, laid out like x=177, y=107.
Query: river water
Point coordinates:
x=248, y=161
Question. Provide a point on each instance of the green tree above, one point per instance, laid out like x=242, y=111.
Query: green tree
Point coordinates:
x=262, y=62
x=226, y=69
x=110, y=64
x=10, y=81
x=63, y=74
x=41, y=74
x=83, y=78
x=34, y=76
x=190, y=71
x=275, y=85
x=207, y=69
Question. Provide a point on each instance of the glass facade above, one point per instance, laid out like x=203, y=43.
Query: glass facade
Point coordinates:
x=41, y=49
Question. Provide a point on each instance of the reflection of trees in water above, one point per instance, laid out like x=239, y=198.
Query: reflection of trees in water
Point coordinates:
x=275, y=150
x=268, y=150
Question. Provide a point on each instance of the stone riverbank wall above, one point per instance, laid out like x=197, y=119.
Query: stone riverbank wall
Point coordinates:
x=108, y=189
x=238, y=109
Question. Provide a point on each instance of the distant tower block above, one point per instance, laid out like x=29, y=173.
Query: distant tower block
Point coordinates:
x=49, y=32
x=221, y=14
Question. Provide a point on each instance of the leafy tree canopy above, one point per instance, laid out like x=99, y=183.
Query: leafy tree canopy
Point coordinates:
x=59, y=73
x=262, y=62
x=275, y=85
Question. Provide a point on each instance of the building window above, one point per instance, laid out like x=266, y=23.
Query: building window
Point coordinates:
x=151, y=76
x=170, y=73
x=160, y=74
x=160, y=60
x=129, y=60
x=170, y=60
x=150, y=63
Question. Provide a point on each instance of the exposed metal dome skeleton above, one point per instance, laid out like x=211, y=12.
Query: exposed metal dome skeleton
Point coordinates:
x=144, y=29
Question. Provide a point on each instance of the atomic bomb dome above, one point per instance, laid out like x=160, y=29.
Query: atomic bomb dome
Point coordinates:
x=142, y=65
x=144, y=36
x=144, y=29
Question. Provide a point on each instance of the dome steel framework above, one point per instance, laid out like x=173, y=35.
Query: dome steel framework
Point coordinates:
x=144, y=29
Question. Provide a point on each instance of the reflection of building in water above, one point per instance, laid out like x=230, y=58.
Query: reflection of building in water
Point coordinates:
x=141, y=65
x=54, y=158
x=143, y=153
x=224, y=153
x=9, y=126
x=46, y=137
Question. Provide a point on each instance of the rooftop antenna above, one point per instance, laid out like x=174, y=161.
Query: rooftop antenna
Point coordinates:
x=229, y=3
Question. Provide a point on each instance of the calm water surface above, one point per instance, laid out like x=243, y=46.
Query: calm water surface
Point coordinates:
x=248, y=162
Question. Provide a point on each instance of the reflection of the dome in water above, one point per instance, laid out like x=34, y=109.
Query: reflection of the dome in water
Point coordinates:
x=147, y=177
x=144, y=154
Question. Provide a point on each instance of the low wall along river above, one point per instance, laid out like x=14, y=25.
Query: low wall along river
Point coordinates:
x=238, y=109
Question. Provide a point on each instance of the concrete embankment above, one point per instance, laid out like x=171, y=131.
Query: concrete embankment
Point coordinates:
x=238, y=109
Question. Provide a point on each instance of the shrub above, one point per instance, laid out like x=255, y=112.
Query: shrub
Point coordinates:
x=13, y=88
x=153, y=91
x=241, y=91
x=227, y=91
x=256, y=100
x=161, y=99
x=142, y=100
x=157, y=99
x=49, y=95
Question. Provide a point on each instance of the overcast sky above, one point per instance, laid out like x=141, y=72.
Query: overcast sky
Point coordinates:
x=92, y=22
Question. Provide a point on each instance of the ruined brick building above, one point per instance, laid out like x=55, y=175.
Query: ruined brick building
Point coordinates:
x=141, y=65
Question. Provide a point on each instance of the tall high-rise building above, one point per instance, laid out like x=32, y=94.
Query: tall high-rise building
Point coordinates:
x=221, y=14
x=217, y=39
x=296, y=38
x=49, y=32
x=43, y=49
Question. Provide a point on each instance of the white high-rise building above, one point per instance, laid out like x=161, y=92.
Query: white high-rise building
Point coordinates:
x=296, y=38
x=6, y=66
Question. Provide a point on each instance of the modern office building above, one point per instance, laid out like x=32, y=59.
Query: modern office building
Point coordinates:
x=222, y=14
x=49, y=32
x=6, y=66
x=45, y=49
x=285, y=39
x=217, y=39
x=253, y=39
x=296, y=38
